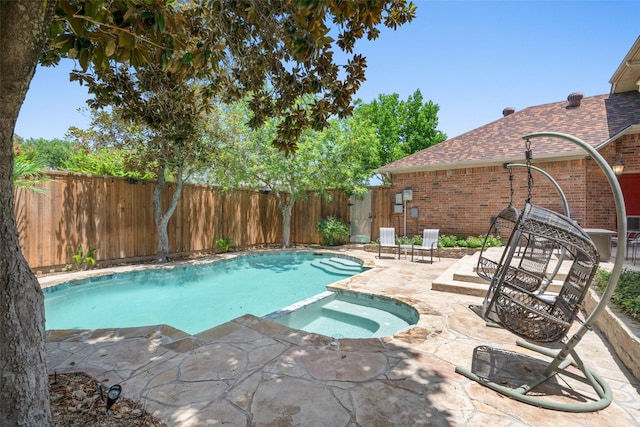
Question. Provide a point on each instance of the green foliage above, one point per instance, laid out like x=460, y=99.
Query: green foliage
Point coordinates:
x=448, y=241
x=402, y=127
x=51, y=154
x=224, y=244
x=27, y=175
x=494, y=241
x=405, y=240
x=336, y=158
x=339, y=157
x=474, y=242
x=627, y=293
x=84, y=260
x=199, y=40
x=105, y=161
x=334, y=231
x=468, y=242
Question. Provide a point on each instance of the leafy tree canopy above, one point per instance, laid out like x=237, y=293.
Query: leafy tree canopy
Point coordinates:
x=403, y=127
x=235, y=46
x=49, y=153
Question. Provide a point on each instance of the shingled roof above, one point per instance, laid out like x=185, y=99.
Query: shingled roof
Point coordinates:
x=597, y=120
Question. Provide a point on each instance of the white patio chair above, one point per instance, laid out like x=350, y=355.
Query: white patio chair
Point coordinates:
x=387, y=239
x=429, y=243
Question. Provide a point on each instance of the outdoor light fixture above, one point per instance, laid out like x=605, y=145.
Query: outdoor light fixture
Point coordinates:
x=112, y=395
x=618, y=167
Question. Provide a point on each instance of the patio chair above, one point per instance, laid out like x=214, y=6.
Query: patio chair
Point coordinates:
x=388, y=240
x=633, y=244
x=632, y=241
x=429, y=243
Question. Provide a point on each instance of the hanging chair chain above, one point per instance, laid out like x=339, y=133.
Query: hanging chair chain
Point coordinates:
x=529, y=156
x=510, y=186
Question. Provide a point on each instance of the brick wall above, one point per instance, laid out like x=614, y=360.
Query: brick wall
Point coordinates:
x=629, y=148
x=463, y=201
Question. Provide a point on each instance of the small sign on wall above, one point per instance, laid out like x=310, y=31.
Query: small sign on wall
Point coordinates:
x=414, y=212
x=397, y=209
x=398, y=198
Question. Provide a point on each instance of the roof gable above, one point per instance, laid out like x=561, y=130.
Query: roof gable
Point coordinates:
x=596, y=120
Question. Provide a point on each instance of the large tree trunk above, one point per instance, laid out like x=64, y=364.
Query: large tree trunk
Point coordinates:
x=24, y=385
x=162, y=217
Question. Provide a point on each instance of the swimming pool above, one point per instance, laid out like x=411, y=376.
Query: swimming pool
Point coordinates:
x=195, y=298
x=348, y=314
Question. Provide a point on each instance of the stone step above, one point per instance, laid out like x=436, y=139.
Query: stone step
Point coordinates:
x=343, y=263
x=334, y=268
x=461, y=278
x=458, y=287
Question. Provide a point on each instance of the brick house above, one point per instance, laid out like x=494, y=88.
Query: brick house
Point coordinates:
x=459, y=184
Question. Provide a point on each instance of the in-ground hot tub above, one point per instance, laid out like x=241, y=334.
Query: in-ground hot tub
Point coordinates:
x=348, y=315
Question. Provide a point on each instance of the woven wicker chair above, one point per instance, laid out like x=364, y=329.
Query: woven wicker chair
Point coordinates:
x=535, y=317
x=528, y=270
x=501, y=226
x=546, y=318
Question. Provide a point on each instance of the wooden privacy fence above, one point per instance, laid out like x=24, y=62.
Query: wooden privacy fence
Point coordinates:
x=115, y=216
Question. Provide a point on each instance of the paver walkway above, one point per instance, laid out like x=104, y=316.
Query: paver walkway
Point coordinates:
x=255, y=372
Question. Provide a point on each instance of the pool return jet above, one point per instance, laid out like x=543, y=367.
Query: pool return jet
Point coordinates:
x=544, y=318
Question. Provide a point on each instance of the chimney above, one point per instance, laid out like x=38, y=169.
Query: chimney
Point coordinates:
x=574, y=99
x=508, y=111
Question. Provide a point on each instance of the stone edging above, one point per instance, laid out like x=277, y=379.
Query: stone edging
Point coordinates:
x=621, y=331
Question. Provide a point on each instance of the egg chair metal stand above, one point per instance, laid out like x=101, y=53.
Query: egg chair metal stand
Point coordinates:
x=541, y=319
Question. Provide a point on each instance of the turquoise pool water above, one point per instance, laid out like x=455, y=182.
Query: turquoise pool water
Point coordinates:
x=348, y=315
x=194, y=298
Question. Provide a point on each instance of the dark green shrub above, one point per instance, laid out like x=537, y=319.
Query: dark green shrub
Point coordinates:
x=334, y=231
x=627, y=293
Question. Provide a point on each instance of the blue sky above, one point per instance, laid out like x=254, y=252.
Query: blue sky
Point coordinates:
x=472, y=58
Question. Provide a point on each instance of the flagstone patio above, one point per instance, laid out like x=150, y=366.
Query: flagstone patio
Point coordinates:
x=255, y=372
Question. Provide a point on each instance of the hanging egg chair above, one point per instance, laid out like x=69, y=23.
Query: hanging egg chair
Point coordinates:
x=535, y=317
x=501, y=227
x=547, y=318
x=533, y=272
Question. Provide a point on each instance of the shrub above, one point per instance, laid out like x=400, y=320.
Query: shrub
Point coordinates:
x=334, y=231
x=492, y=241
x=627, y=293
x=468, y=242
x=404, y=240
x=448, y=241
x=84, y=260
x=224, y=244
